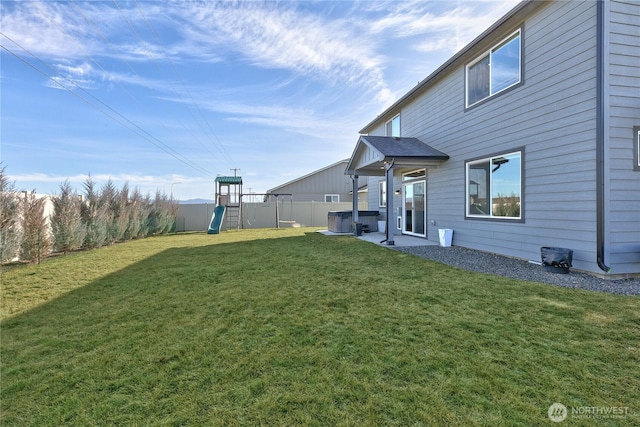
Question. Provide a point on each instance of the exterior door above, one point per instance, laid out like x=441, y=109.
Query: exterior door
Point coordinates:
x=414, y=208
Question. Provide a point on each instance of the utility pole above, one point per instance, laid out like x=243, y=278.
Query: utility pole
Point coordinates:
x=235, y=171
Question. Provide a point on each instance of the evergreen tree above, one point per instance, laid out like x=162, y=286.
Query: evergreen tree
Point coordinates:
x=95, y=217
x=10, y=232
x=36, y=238
x=66, y=222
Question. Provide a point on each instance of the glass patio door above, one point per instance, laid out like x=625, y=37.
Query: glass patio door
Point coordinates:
x=414, y=208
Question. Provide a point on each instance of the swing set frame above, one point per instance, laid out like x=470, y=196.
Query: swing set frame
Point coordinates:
x=276, y=195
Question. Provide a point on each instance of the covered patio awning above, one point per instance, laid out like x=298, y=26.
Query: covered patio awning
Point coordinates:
x=373, y=152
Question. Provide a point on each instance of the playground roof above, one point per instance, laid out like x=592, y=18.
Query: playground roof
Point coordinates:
x=229, y=179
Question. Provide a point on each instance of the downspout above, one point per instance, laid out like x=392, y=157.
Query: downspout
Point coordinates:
x=600, y=136
x=354, y=199
x=388, y=171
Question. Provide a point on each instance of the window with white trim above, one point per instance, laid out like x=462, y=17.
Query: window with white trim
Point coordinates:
x=332, y=198
x=382, y=194
x=636, y=148
x=494, y=187
x=495, y=70
x=392, y=127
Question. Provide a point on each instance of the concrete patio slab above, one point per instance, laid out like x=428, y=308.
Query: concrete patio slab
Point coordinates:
x=378, y=238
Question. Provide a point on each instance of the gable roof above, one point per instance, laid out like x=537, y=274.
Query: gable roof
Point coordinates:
x=372, y=152
x=308, y=175
x=466, y=54
x=391, y=146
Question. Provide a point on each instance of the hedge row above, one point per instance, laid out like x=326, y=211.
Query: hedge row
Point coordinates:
x=95, y=218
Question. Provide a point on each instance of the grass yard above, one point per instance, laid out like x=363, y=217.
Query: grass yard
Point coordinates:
x=290, y=327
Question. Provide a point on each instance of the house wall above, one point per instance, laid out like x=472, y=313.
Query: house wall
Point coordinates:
x=623, y=225
x=313, y=187
x=552, y=116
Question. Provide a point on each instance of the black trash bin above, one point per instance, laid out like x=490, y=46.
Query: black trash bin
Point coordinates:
x=357, y=228
x=556, y=260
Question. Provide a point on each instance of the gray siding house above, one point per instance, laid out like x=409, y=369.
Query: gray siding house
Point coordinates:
x=328, y=184
x=527, y=137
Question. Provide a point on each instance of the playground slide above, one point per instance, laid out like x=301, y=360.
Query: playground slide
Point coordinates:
x=216, y=219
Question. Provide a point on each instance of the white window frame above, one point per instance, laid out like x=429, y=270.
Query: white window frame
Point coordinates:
x=636, y=148
x=483, y=56
x=395, y=119
x=414, y=174
x=382, y=194
x=333, y=198
x=489, y=190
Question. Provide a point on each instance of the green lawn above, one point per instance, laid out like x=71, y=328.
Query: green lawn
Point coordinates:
x=290, y=327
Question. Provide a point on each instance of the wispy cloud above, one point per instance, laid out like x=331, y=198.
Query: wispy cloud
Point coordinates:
x=139, y=181
x=278, y=35
x=265, y=34
x=301, y=71
x=450, y=29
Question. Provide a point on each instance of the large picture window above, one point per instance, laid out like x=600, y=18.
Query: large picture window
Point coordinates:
x=494, y=187
x=495, y=70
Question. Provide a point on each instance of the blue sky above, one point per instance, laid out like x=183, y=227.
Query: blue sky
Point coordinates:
x=169, y=94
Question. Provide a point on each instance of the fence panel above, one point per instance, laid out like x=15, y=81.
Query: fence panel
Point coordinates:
x=196, y=217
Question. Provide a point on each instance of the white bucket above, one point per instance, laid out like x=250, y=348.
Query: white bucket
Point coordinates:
x=446, y=234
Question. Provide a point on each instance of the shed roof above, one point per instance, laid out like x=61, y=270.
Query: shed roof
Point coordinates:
x=229, y=179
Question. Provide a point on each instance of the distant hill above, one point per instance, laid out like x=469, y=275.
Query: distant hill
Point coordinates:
x=196, y=201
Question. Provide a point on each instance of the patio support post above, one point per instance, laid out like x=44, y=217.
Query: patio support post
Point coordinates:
x=388, y=168
x=354, y=201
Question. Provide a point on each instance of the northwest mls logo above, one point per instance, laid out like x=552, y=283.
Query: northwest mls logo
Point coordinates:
x=557, y=412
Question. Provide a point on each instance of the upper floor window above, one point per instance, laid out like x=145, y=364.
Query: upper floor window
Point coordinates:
x=495, y=70
x=392, y=127
x=494, y=187
x=332, y=198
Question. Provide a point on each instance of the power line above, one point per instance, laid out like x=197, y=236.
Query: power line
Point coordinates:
x=160, y=45
x=175, y=71
x=114, y=49
x=120, y=119
x=86, y=53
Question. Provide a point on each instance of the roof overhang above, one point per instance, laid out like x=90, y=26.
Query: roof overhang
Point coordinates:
x=372, y=153
x=237, y=180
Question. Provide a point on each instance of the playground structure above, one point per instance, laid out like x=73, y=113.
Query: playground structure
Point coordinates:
x=228, y=204
x=228, y=212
